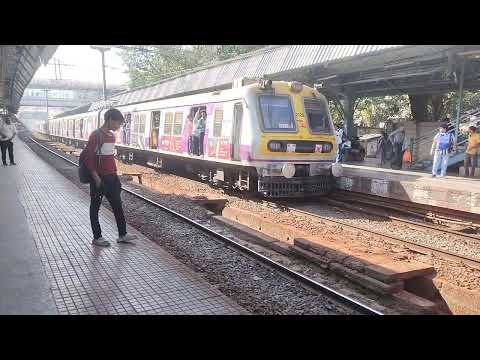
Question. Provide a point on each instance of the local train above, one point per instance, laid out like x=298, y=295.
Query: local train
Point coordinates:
x=272, y=137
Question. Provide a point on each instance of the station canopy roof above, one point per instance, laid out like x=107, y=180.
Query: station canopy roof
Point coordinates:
x=359, y=70
x=18, y=64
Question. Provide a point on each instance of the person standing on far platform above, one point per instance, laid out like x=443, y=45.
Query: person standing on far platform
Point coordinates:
x=397, y=139
x=101, y=164
x=382, y=148
x=471, y=151
x=442, y=146
x=7, y=133
x=340, y=137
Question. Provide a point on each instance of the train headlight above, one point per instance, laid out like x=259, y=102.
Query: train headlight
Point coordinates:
x=337, y=169
x=296, y=86
x=275, y=146
x=265, y=84
x=288, y=170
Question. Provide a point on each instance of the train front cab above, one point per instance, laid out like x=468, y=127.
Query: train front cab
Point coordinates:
x=296, y=148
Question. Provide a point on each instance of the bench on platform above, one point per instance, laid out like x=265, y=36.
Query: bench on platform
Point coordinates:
x=137, y=174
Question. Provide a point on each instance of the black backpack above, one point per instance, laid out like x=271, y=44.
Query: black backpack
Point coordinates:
x=83, y=172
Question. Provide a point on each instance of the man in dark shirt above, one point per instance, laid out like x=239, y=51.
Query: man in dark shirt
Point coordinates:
x=101, y=163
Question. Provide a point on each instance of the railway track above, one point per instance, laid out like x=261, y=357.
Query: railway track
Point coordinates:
x=475, y=263
x=342, y=203
x=285, y=271
x=426, y=213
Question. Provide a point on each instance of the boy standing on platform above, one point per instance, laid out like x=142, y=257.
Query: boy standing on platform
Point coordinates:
x=101, y=164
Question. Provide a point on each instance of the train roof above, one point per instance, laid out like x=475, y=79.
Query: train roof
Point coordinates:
x=240, y=92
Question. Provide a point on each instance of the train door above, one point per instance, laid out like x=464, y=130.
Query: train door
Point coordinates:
x=237, y=130
x=127, y=129
x=195, y=143
x=155, y=129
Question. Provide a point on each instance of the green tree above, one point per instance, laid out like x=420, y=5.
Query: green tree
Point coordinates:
x=159, y=63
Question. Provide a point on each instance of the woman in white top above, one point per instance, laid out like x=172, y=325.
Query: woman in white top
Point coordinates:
x=7, y=133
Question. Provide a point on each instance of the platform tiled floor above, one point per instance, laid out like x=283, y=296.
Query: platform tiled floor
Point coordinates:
x=122, y=279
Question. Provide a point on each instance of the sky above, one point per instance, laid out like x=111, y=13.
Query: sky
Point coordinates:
x=84, y=63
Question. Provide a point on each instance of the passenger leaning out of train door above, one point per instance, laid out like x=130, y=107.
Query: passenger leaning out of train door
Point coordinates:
x=101, y=163
x=199, y=131
x=471, y=151
x=443, y=144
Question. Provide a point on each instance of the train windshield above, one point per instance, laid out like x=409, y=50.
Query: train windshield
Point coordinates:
x=317, y=115
x=277, y=113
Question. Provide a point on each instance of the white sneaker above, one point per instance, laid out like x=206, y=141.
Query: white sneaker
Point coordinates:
x=100, y=242
x=127, y=238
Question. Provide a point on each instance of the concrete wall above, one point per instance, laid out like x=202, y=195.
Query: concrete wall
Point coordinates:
x=462, y=195
x=413, y=130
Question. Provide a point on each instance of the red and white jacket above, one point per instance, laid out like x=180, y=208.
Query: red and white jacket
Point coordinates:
x=106, y=164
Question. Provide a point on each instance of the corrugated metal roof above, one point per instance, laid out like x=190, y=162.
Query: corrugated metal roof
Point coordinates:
x=269, y=61
x=18, y=64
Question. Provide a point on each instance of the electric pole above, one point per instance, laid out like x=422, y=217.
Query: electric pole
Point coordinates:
x=46, y=98
x=102, y=49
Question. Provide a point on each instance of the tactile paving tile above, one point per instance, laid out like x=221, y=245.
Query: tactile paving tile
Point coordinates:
x=123, y=279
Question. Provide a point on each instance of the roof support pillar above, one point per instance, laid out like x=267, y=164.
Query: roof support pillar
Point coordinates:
x=348, y=105
x=460, y=98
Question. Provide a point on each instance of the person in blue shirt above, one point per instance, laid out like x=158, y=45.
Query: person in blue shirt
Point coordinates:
x=442, y=146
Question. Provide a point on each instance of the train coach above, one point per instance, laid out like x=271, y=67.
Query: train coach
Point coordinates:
x=272, y=137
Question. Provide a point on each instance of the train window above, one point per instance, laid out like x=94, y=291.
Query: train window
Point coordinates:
x=141, y=126
x=177, y=126
x=167, y=128
x=317, y=115
x=217, y=122
x=277, y=113
x=138, y=133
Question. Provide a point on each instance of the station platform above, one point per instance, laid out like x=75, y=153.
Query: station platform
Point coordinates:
x=48, y=265
x=449, y=192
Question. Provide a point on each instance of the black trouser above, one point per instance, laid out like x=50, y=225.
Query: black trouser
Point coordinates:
x=397, y=156
x=111, y=188
x=8, y=144
x=470, y=160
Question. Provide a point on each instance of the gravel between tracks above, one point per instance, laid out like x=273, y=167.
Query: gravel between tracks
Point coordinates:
x=462, y=246
x=254, y=286
x=458, y=274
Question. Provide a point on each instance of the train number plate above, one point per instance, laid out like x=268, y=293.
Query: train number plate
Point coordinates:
x=291, y=147
x=318, y=148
